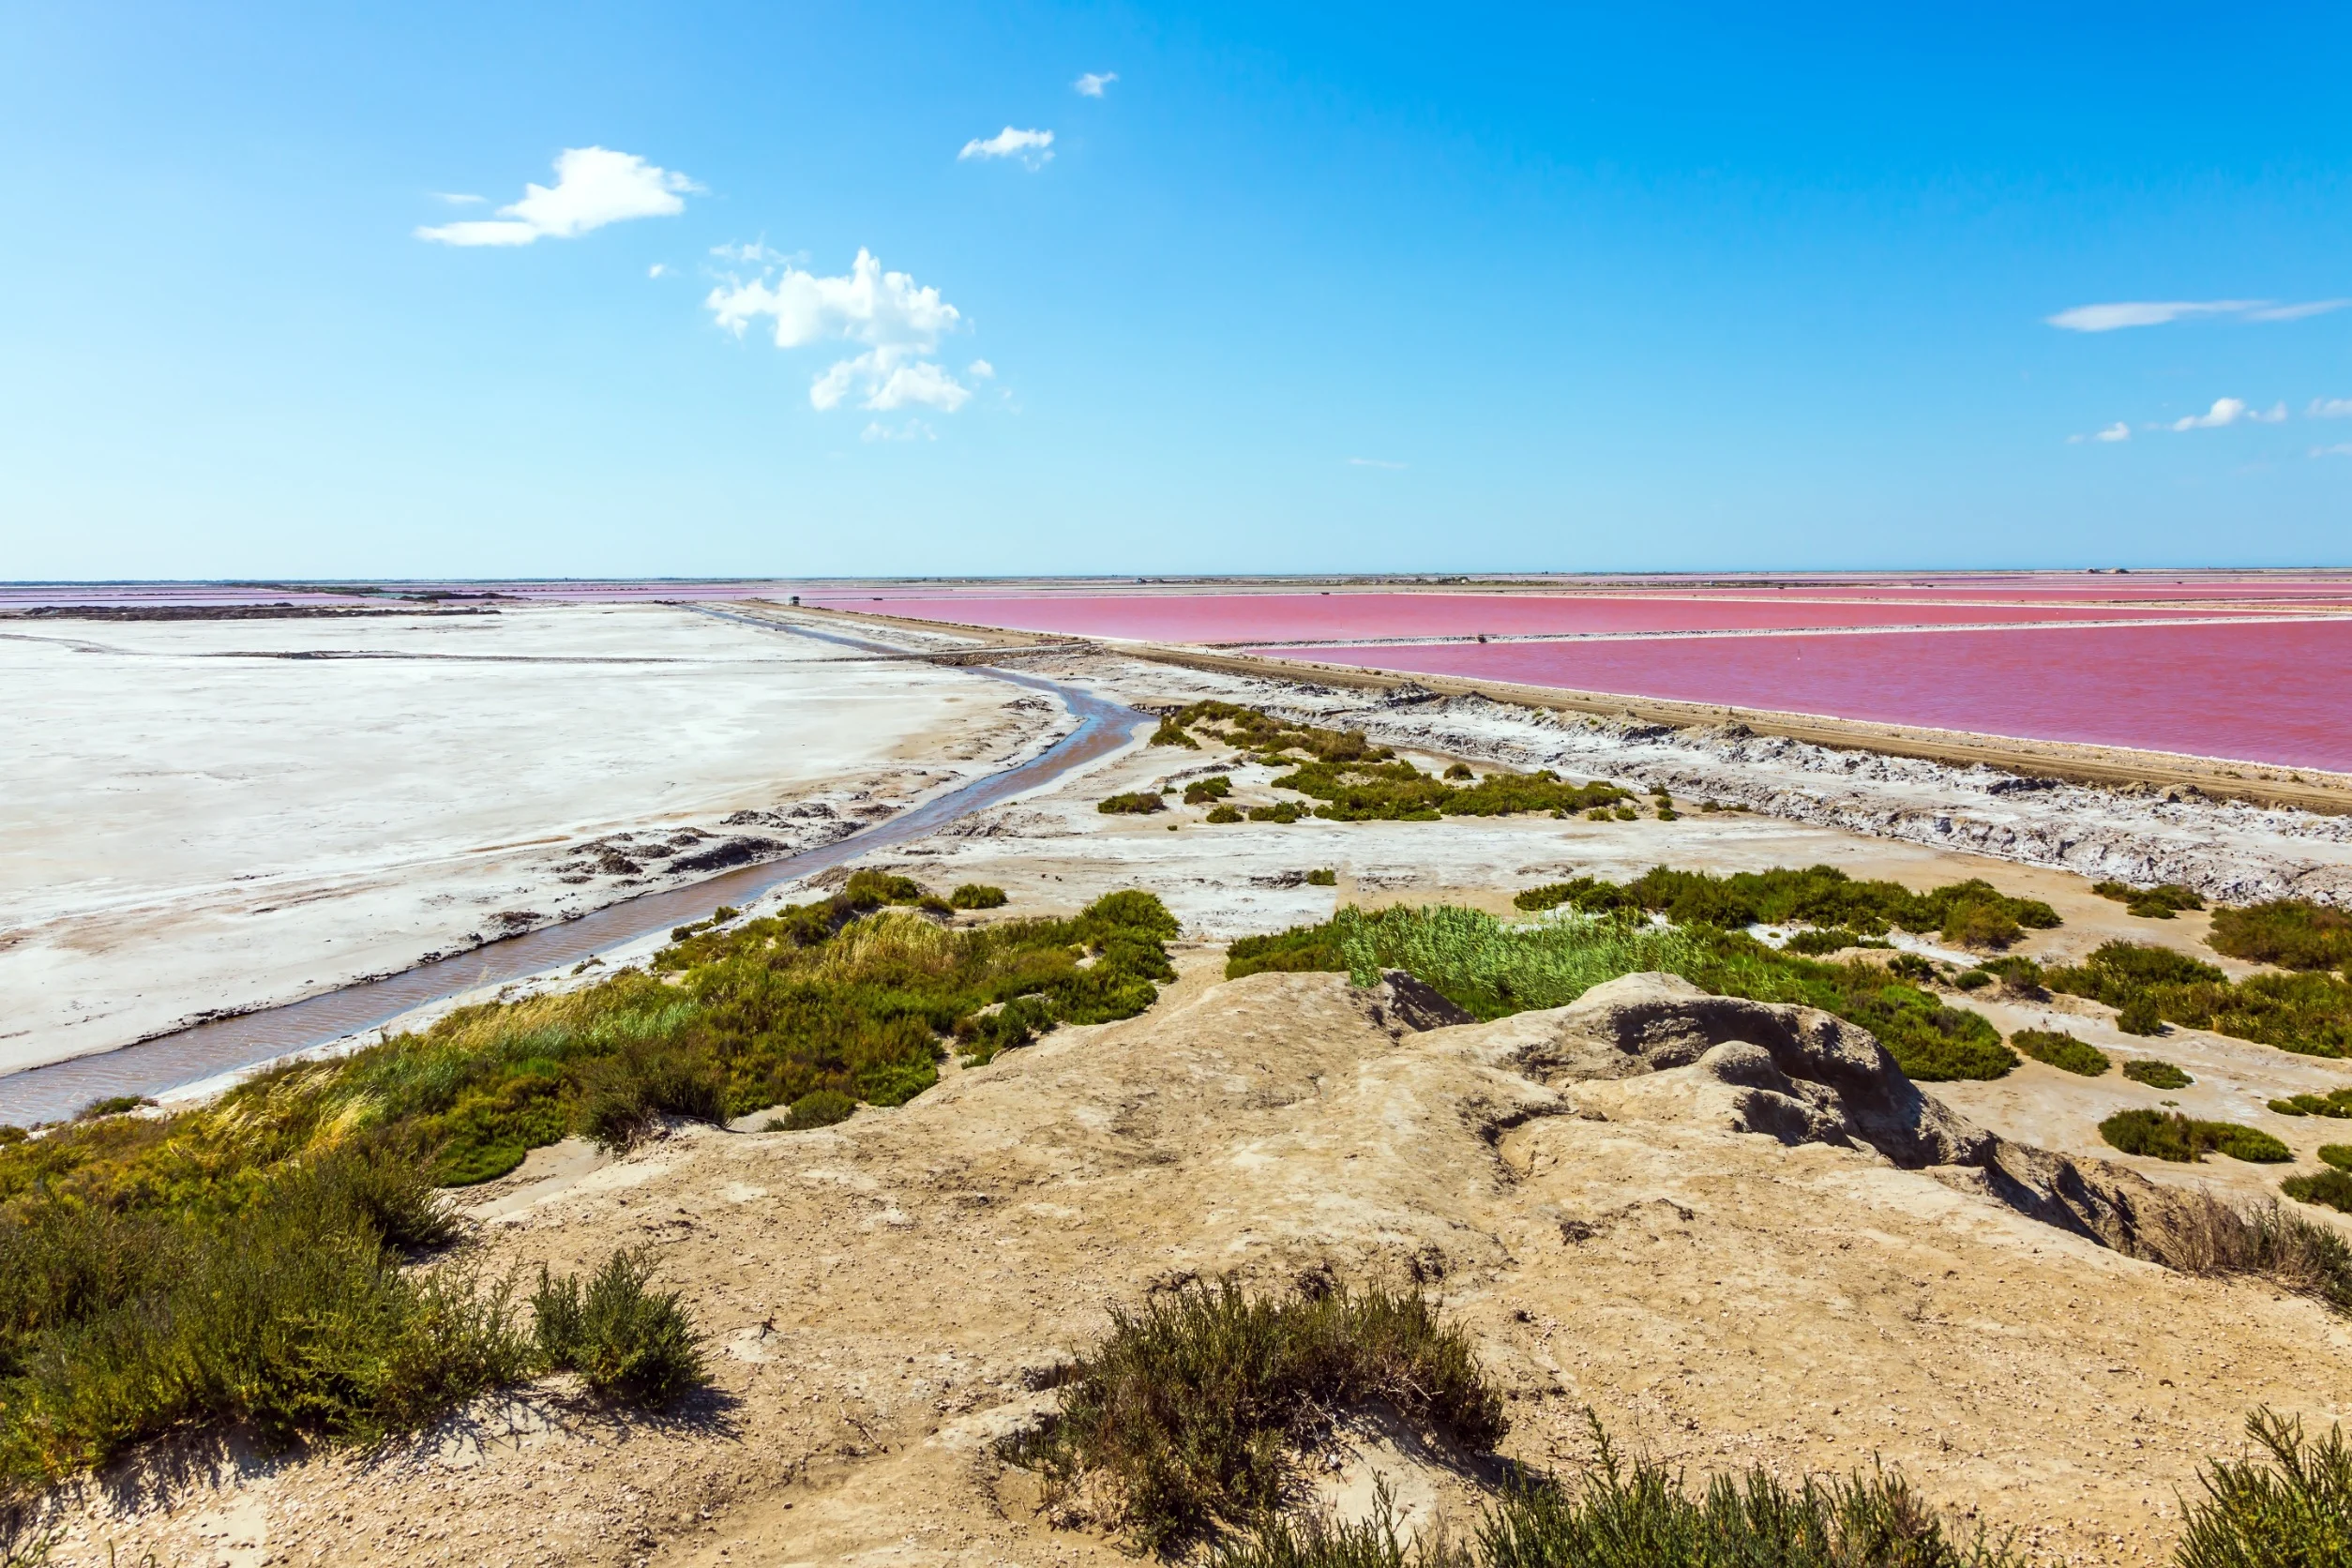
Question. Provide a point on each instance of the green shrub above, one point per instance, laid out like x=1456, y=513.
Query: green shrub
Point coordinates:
x=1187, y=1409
x=1460, y=770
x=1627, y=814
x=2292, y=933
x=1972, y=980
x=1202, y=791
x=1224, y=814
x=2335, y=1103
x=629, y=1343
x=1603, y=814
x=1818, y=896
x=291, y=1315
x=1912, y=966
x=2294, y=1512
x=2171, y=1135
x=818, y=1107
x=2150, y=903
x=977, y=896
x=1322, y=877
x=1285, y=811
x=2156, y=1075
x=2329, y=1188
x=2310, y=1014
x=1133, y=803
x=1172, y=733
x=1824, y=939
x=2062, y=1051
x=2337, y=1155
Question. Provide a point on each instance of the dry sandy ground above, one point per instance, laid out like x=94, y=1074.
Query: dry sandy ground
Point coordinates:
x=209, y=816
x=882, y=1295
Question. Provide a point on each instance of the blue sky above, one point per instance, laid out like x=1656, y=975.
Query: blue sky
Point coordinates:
x=1302, y=288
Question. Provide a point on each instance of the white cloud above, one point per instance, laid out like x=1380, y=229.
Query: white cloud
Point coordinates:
x=2107, y=318
x=913, y=430
x=458, y=198
x=2331, y=408
x=593, y=187
x=899, y=320
x=980, y=370
x=2225, y=411
x=1092, y=82
x=2117, y=432
x=1372, y=462
x=658, y=269
x=2340, y=450
x=2296, y=312
x=1031, y=147
x=755, y=253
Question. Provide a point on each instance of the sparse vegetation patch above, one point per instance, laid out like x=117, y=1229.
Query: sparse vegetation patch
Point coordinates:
x=2161, y=902
x=2292, y=933
x=1492, y=969
x=2336, y=1103
x=2156, y=1075
x=1133, y=803
x=2292, y=1511
x=2310, y=1014
x=1822, y=897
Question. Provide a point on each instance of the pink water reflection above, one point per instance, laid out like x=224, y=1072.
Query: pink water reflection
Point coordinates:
x=1253, y=617
x=2278, y=692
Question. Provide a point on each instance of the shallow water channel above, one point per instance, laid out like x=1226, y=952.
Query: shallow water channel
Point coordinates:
x=205, y=1050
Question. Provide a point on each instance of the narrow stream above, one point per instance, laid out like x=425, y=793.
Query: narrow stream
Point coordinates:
x=207, y=1049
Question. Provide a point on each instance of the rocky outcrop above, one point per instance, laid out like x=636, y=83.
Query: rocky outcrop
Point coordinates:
x=1666, y=1049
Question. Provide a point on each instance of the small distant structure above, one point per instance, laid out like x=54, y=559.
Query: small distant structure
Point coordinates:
x=795, y=600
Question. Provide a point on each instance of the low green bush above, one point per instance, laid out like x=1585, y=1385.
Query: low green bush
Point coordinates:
x=977, y=896
x=1133, y=803
x=2335, y=1103
x=1172, y=733
x=1818, y=896
x=2293, y=1511
x=2337, y=1155
x=818, y=1107
x=2331, y=1189
x=1202, y=791
x=1224, y=814
x=2310, y=1014
x=2062, y=1051
x=2161, y=902
x=2292, y=933
x=1824, y=939
x=1912, y=966
x=1188, y=1411
x=1322, y=877
x=629, y=1343
x=1972, y=980
x=1626, y=814
x=1460, y=770
x=1603, y=814
x=2156, y=1075
x=2171, y=1135
x=1284, y=811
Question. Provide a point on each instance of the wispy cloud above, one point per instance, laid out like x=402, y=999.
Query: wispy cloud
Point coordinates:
x=1372, y=462
x=2340, y=450
x=659, y=269
x=913, y=430
x=2151, y=312
x=2331, y=408
x=593, y=187
x=1093, y=82
x=900, y=322
x=2117, y=432
x=980, y=370
x=2225, y=411
x=1033, y=147
x=458, y=198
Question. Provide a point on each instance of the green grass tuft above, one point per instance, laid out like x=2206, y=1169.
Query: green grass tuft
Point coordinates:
x=2329, y=1188
x=2161, y=902
x=2336, y=1103
x=1133, y=803
x=2156, y=1075
x=2292, y=933
x=977, y=896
